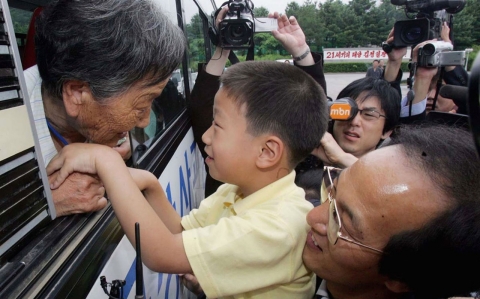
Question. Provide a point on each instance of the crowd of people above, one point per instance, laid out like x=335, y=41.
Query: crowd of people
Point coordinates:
x=392, y=209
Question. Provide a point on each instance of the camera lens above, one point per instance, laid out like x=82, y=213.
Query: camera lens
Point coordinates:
x=429, y=49
x=238, y=34
x=412, y=35
x=237, y=31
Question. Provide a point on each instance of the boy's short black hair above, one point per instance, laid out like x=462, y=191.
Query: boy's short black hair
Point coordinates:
x=280, y=99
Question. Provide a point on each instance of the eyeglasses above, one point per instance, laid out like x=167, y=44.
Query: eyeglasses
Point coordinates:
x=334, y=222
x=370, y=114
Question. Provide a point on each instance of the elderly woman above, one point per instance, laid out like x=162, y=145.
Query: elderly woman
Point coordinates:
x=100, y=64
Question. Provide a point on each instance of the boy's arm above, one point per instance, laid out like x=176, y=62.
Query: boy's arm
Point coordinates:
x=156, y=197
x=162, y=251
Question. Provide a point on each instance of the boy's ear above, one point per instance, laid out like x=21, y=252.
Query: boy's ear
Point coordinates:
x=271, y=152
x=396, y=286
x=74, y=96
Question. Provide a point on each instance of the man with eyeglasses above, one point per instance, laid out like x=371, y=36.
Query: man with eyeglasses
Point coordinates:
x=401, y=222
x=378, y=114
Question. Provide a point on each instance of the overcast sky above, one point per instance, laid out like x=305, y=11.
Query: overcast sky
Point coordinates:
x=272, y=5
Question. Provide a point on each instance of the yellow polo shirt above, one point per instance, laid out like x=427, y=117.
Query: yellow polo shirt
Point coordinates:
x=251, y=247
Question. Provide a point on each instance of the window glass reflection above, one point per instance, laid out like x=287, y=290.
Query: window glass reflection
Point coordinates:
x=171, y=103
x=165, y=109
x=195, y=35
x=207, y=6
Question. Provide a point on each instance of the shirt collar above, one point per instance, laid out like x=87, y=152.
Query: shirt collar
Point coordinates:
x=269, y=192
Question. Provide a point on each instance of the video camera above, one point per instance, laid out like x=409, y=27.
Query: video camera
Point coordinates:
x=438, y=54
x=427, y=23
x=237, y=29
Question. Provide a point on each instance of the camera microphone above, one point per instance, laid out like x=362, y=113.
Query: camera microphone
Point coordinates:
x=458, y=94
x=342, y=109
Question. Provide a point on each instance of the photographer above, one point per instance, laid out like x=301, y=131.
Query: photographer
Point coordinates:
x=452, y=75
x=426, y=78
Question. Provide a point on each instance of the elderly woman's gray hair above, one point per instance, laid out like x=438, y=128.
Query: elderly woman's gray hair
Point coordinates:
x=110, y=44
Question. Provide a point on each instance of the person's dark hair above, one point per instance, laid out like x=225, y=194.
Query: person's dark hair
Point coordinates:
x=440, y=259
x=110, y=44
x=389, y=97
x=280, y=99
x=310, y=181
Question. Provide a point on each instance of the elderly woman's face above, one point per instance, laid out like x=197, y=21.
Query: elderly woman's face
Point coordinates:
x=106, y=123
x=377, y=197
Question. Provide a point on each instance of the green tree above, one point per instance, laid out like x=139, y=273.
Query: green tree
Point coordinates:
x=307, y=17
x=341, y=23
x=466, y=26
x=196, y=42
x=260, y=12
x=463, y=27
x=20, y=19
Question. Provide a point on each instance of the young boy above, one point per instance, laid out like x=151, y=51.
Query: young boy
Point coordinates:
x=246, y=240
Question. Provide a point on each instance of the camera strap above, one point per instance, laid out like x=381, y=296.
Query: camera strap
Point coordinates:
x=412, y=66
x=233, y=58
x=250, y=52
x=439, y=84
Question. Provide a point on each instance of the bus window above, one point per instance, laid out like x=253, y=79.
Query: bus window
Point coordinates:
x=171, y=103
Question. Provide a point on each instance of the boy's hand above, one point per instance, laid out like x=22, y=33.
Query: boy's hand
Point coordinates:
x=77, y=157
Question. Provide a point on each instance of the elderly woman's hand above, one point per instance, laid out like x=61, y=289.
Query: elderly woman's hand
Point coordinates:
x=79, y=193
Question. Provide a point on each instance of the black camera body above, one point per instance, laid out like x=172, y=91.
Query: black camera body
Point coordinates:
x=427, y=24
x=413, y=32
x=237, y=29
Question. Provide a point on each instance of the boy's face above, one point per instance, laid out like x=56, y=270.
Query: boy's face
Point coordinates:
x=230, y=148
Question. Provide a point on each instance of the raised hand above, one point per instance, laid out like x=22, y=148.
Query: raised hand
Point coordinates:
x=289, y=34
